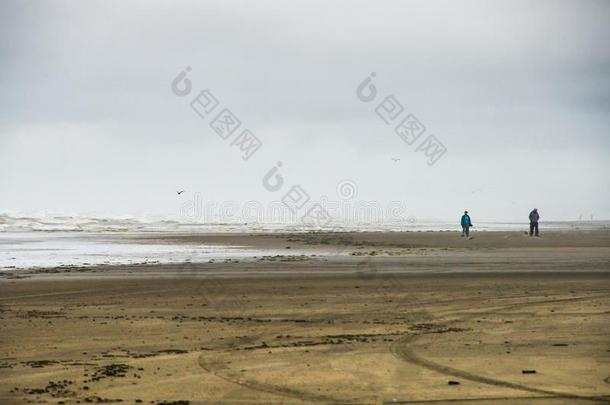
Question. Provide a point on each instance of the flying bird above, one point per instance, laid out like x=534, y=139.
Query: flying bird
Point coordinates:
x=479, y=190
x=179, y=192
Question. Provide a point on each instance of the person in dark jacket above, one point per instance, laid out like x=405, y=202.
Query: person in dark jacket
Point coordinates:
x=534, y=217
x=466, y=224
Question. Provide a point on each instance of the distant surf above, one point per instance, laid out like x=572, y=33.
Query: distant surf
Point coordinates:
x=95, y=224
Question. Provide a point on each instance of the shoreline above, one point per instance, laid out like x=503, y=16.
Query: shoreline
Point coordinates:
x=344, y=252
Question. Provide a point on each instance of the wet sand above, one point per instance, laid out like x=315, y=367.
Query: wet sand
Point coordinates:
x=356, y=318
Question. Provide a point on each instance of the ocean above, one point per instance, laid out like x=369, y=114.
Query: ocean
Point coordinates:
x=60, y=240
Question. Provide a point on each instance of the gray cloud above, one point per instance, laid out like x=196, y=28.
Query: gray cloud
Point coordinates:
x=518, y=92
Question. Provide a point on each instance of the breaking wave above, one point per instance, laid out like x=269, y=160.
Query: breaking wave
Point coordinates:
x=92, y=224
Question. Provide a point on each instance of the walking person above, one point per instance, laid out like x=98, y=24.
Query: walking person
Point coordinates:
x=534, y=218
x=466, y=224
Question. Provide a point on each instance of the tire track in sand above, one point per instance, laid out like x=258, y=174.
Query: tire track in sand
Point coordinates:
x=270, y=388
x=402, y=351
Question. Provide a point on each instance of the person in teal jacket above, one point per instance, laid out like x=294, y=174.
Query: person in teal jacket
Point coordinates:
x=466, y=224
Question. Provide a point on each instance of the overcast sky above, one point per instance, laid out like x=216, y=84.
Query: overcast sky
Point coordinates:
x=517, y=91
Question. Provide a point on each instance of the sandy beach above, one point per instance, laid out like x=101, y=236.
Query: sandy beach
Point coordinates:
x=361, y=318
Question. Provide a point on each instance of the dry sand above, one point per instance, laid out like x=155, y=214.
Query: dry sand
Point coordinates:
x=371, y=318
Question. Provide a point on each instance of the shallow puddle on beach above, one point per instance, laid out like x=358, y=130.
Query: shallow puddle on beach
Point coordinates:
x=42, y=250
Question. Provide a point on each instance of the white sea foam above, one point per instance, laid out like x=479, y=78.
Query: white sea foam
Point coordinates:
x=93, y=224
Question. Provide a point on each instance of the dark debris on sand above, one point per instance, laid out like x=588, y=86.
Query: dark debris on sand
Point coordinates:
x=110, y=370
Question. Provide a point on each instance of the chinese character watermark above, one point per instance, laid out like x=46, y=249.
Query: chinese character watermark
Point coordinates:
x=409, y=129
